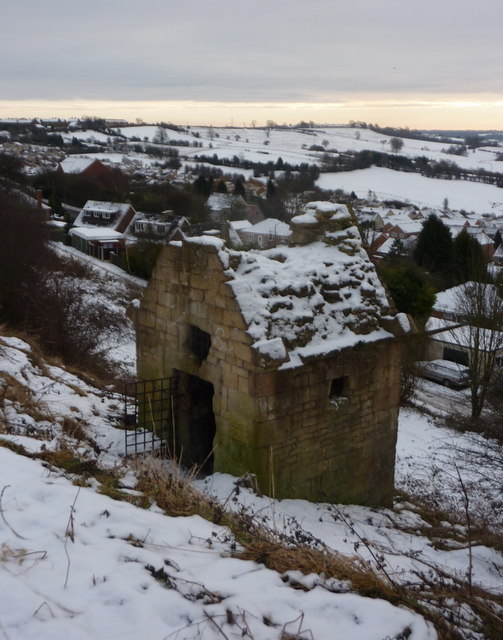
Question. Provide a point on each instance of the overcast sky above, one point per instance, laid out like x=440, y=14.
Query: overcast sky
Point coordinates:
x=279, y=59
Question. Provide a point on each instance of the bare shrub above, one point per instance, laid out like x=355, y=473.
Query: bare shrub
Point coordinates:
x=25, y=253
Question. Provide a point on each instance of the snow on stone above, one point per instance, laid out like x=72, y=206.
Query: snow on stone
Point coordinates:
x=315, y=298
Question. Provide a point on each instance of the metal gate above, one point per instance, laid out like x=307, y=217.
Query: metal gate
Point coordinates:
x=149, y=416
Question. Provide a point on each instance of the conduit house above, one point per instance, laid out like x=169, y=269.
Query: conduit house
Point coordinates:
x=287, y=359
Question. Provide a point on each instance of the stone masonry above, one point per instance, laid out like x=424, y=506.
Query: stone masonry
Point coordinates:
x=320, y=425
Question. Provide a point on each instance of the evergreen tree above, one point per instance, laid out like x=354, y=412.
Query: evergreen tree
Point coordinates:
x=202, y=186
x=409, y=289
x=397, y=249
x=271, y=190
x=497, y=239
x=221, y=187
x=434, y=250
x=469, y=259
x=239, y=189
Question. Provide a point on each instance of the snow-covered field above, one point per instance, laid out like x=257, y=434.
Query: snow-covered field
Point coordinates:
x=417, y=189
x=76, y=564
x=293, y=146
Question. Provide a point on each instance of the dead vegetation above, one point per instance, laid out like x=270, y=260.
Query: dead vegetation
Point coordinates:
x=457, y=609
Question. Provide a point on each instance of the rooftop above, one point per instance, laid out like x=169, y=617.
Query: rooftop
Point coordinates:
x=309, y=300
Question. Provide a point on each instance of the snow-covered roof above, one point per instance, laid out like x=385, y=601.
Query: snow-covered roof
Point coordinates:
x=385, y=247
x=115, y=211
x=449, y=301
x=270, y=225
x=239, y=225
x=218, y=201
x=73, y=164
x=463, y=336
x=310, y=300
x=410, y=226
x=96, y=233
x=102, y=207
x=499, y=251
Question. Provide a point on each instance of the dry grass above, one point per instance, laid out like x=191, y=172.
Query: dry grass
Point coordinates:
x=252, y=541
x=446, y=530
x=457, y=609
x=20, y=394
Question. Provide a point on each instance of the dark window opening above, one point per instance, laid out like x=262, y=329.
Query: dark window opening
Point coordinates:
x=336, y=387
x=338, y=391
x=200, y=342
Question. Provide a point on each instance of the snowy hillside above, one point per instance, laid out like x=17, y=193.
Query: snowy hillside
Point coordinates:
x=293, y=146
x=414, y=188
x=261, y=145
x=76, y=563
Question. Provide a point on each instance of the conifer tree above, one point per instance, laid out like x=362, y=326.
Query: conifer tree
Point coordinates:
x=239, y=189
x=497, y=239
x=435, y=250
x=469, y=260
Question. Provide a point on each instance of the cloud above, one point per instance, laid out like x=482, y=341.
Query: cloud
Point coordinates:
x=238, y=51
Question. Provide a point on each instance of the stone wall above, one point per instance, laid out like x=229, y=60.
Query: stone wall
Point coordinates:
x=338, y=448
x=281, y=424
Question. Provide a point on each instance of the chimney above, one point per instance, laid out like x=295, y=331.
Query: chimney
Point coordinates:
x=38, y=196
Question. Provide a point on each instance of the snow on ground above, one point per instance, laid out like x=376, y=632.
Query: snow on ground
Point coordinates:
x=417, y=189
x=429, y=458
x=77, y=564
x=226, y=170
x=90, y=135
x=293, y=144
x=83, y=569
x=116, y=289
x=74, y=563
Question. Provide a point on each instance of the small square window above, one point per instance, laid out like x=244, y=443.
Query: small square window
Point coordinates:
x=199, y=342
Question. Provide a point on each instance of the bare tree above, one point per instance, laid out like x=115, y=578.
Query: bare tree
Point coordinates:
x=480, y=309
x=396, y=144
x=160, y=136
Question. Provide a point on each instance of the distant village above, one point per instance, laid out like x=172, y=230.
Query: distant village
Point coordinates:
x=103, y=229
x=122, y=198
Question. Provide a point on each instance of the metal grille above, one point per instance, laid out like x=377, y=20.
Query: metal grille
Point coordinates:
x=200, y=342
x=149, y=413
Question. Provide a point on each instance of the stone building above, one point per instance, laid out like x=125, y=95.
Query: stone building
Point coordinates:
x=287, y=360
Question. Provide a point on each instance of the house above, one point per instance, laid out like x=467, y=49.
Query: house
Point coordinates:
x=404, y=229
x=98, y=242
x=498, y=256
x=450, y=334
x=286, y=361
x=99, y=228
x=114, y=215
x=163, y=226
x=450, y=341
x=223, y=206
x=266, y=234
x=234, y=230
x=90, y=167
